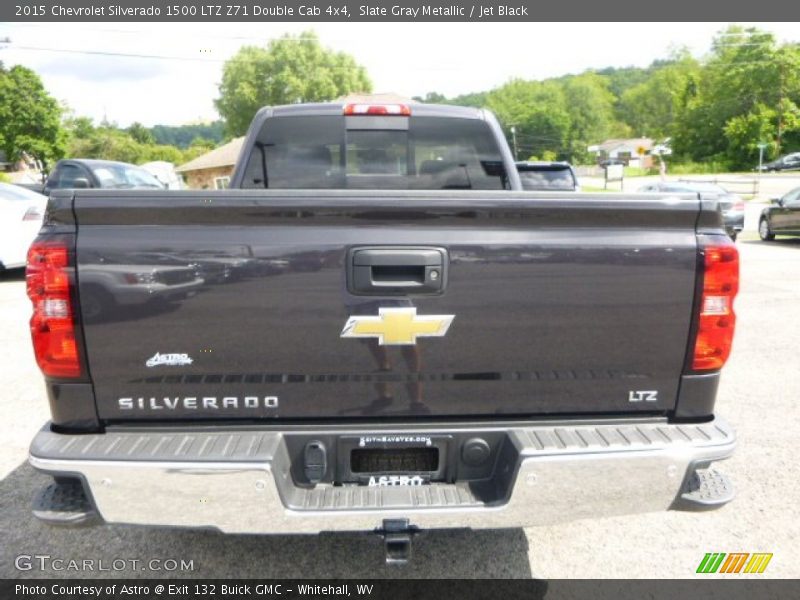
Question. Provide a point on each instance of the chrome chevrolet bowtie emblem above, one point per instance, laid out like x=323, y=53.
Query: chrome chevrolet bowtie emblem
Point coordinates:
x=397, y=326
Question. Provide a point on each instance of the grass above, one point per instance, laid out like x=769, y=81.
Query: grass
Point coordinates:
x=686, y=168
x=639, y=172
x=693, y=168
x=593, y=188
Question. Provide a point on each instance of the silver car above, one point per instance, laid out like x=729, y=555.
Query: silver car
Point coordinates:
x=732, y=205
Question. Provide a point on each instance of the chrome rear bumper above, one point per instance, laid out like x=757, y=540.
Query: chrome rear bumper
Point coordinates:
x=239, y=481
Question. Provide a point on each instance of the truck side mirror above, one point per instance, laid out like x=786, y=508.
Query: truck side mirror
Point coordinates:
x=80, y=183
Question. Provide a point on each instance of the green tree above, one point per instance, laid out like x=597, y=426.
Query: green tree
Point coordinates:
x=537, y=111
x=744, y=132
x=183, y=135
x=30, y=118
x=476, y=99
x=288, y=70
x=198, y=147
x=80, y=127
x=132, y=145
x=171, y=154
x=107, y=143
x=432, y=98
x=620, y=79
x=653, y=107
x=140, y=133
x=749, y=87
x=590, y=106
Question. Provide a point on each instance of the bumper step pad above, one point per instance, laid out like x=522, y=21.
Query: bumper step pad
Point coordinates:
x=64, y=503
x=706, y=489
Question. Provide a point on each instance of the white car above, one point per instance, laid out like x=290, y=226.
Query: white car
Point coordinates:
x=21, y=214
x=165, y=172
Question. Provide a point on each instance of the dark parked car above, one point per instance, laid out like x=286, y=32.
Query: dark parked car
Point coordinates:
x=88, y=173
x=732, y=205
x=782, y=217
x=548, y=176
x=789, y=162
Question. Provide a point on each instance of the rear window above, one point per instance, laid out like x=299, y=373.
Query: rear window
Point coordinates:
x=365, y=152
x=123, y=176
x=546, y=178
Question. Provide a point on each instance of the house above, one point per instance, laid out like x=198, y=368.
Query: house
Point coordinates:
x=26, y=170
x=634, y=152
x=213, y=170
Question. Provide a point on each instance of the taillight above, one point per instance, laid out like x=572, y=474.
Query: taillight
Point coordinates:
x=52, y=324
x=739, y=206
x=32, y=214
x=400, y=110
x=716, y=319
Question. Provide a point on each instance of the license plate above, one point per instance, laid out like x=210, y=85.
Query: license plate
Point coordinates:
x=388, y=461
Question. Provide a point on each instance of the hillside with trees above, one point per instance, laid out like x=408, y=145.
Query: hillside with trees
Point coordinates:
x=715, y=109
x=182, y=136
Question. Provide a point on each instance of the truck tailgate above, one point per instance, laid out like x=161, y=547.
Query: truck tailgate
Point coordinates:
x=232, y=305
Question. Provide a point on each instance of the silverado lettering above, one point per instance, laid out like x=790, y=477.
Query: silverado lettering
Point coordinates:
x=195, y=403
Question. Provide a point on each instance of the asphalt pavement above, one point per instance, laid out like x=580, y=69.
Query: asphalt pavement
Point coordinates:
x=769, y=185
x=758, y=395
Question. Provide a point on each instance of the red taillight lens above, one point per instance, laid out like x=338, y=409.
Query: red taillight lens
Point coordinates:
x=716, y=320
x=32, y=214
x=52, y=323
x=400, y=110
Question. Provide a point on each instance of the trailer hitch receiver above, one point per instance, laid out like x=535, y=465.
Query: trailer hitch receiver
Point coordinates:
x=397, y=535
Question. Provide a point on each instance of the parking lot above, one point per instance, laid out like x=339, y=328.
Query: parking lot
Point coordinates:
x=759, y=396
x=769, y=185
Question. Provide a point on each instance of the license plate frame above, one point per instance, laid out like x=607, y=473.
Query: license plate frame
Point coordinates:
x=393, y=447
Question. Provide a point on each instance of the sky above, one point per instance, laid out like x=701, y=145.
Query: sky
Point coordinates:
x=80, y=63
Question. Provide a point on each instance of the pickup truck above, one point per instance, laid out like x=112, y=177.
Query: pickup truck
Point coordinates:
x=83, y=173
x=416, y=342
x=547, y=176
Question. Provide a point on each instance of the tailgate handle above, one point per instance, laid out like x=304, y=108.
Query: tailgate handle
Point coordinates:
x=397, y=271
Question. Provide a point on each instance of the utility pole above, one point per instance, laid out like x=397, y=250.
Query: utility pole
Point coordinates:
x=780, y=109
x=761, y=147
x=514, y=141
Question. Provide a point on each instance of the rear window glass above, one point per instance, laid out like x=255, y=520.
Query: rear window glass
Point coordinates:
x=546, y=178
x=331, y=152
x=121, y=176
